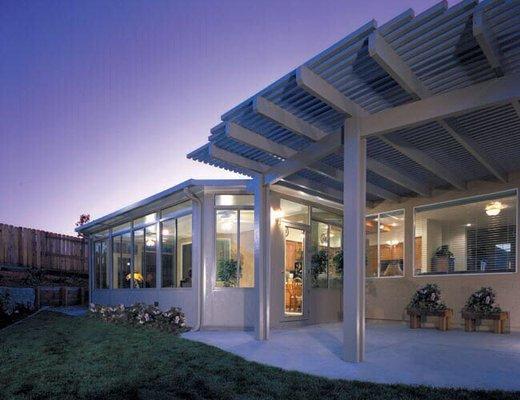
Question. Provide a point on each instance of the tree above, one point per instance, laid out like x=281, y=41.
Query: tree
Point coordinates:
x=83, y=219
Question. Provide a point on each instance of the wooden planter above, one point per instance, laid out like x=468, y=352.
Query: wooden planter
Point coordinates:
x=471, y=318
x=444, y=316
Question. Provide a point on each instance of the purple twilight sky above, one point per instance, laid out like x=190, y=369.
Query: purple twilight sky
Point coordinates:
x=101, y=100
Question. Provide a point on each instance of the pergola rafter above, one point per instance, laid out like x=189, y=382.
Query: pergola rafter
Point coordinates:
x=486, y=40
x=393, y=64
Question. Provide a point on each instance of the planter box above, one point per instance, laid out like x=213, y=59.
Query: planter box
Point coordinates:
x=499, y=320
x=445, y=317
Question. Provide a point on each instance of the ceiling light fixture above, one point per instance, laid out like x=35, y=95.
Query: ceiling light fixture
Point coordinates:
x=494, y=208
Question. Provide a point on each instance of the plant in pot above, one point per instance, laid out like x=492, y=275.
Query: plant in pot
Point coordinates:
x=482, y=303
x=443, y=260
x=337, y=261
x=318, y=265
x=426, y=300
x=227, y=272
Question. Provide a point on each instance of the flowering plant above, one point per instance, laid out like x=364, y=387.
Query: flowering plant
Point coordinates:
x=140, y=314
x=482, y=302
x=427, y=298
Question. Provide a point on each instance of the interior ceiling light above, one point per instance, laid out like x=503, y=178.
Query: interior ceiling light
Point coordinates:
x=494, y=208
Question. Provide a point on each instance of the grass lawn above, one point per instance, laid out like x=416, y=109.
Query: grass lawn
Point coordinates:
x=60, y=357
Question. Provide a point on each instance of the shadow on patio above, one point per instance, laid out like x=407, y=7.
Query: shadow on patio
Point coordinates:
x=394, y=354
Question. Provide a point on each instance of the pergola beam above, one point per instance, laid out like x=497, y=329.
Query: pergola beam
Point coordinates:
x=286, y=119
x=473, y=148
x=459, y=101
x=321, y=89
x=235, y=159
x=315, y=187
x=397, y=177
x=486, y=40
x=250, y=138
x=302, y=159
x=337, y=175
x=421, y=158
x=393, y=64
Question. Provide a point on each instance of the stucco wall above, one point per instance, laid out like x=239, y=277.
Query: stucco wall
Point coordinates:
x=386, y=298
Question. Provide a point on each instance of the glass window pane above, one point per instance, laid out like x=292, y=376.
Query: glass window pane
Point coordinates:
x=170, y=211
x=122, y=253
x=391, y=239
x=100, y=265
x=371, y=246
x=326, y=216
x=468, y=235
x=234, y=200
x=247, y=262
x=168, y=260
x=138, y=259
x=335, y=257
x=184, y=251
x=319, y=254
x=120, y=228
x=150, y=257
x=226, y=248
x=147, y=219
x=294, y=212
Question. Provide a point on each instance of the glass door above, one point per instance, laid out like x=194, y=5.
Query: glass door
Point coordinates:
x=294, y=271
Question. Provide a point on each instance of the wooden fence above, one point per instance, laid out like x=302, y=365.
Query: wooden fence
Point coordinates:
x=45, y=250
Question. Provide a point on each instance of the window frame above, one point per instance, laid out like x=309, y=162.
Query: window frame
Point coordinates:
x=175, y=216
x=236, y=208
x=378, y=214
x=111, y=234
x=512, y=191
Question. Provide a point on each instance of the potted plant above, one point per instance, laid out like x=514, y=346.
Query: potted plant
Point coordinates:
x=443, y=259
x=427, y=300
x=318, y=265
x=482, y=303
x=227, y=272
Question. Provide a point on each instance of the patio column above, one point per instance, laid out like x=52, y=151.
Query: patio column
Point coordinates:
x=261, y=255
x=354, y=176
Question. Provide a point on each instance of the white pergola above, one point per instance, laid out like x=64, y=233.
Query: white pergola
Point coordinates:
x=421, y=103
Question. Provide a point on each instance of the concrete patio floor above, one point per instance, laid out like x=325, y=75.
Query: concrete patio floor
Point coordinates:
x=394, y=354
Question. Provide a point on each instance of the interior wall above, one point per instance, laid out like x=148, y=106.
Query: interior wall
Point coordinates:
x=386, y=298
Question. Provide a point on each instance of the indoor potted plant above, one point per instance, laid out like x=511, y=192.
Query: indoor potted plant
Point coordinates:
x=443, y=259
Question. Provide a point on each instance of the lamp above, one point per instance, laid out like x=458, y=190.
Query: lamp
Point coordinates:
x=278, y=215
x=494, y=208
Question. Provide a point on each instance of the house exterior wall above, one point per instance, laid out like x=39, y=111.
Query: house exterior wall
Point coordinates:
x=386, y=298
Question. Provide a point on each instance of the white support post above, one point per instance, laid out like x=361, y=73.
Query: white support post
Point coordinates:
x=354, y=242
x=261, y=253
